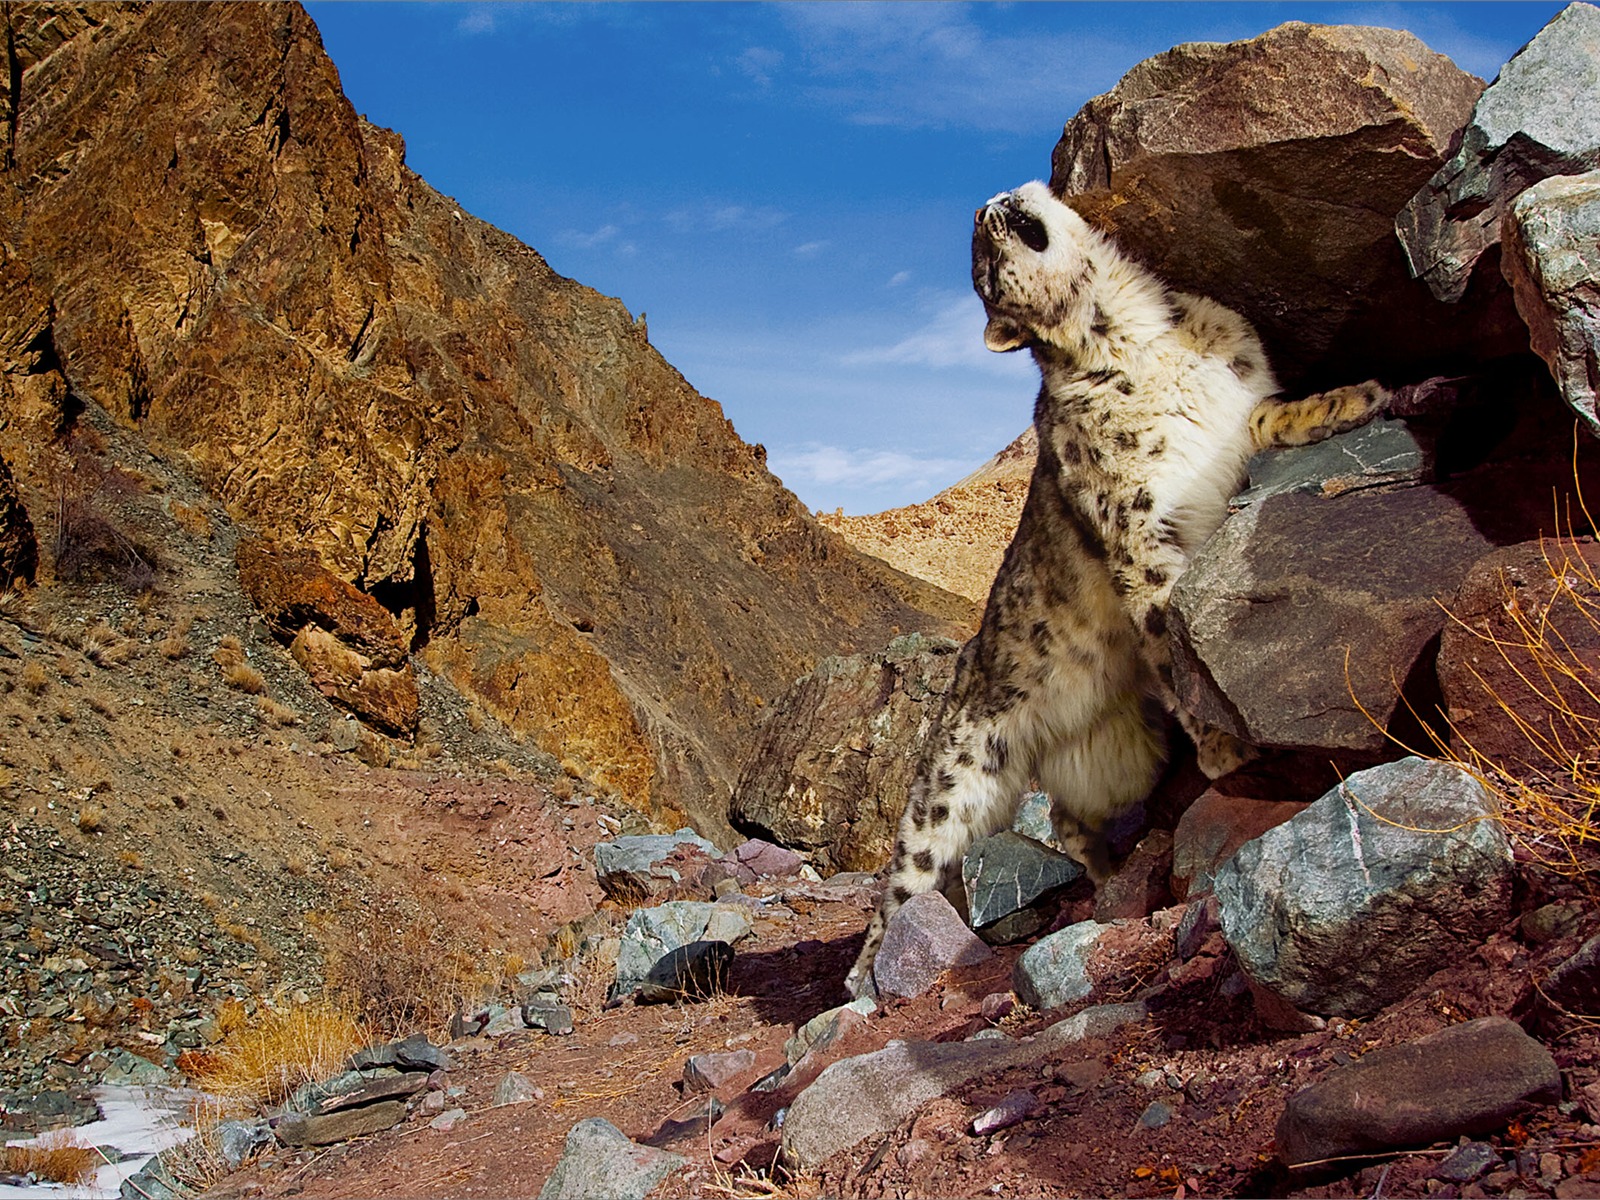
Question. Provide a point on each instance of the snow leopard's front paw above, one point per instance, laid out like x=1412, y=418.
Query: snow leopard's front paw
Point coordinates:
x=1221, y=753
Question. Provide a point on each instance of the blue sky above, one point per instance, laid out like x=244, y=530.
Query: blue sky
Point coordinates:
x=787, y=189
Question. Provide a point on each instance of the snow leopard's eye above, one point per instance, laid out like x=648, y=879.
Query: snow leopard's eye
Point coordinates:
x=1029, y=228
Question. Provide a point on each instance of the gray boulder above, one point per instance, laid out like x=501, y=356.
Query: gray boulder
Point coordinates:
x=600, y=1160
x=1537, y=119
x=1551, y=257
x=1267, y=174
x=1349, y=905
x=1380, y=453
x=925, y=938
x=1266, y=615
x=326, y=1129
x=1008, y=873
x=855, y=1098
x=823, y=1029
x=1468, y=1079
x=652, y=934
x=1055, y=970
x=708, y=1072
x=514, y=1088
x=631, y=868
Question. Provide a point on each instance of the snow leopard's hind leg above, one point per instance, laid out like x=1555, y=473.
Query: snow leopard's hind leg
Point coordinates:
x=966, y=789
x=1095, y=777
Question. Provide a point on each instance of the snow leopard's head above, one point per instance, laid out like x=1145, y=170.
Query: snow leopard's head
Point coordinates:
x=1030, y=262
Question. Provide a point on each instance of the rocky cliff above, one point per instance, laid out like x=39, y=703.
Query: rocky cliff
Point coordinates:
x=201, y=237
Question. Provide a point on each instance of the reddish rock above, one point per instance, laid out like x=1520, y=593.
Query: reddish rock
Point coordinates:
x=767, y=860
x=1140, y=885
x=925, y=938
x=1520, y=624
x=1216, y=825
x=345, y=640
x=1468, y=1079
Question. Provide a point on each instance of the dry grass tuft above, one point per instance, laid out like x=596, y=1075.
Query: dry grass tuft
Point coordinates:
x=192, y=520
x=1549, y=794
x=265, y=1059
x=402, y=966
x=173, y=647
x=91, y=818
x=35, y=679
x=53, y=1159
x=131, y=859
x=275, y=714
x=242, y=677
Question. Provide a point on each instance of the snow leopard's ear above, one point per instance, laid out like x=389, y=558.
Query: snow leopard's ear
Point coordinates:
x=1002, y=334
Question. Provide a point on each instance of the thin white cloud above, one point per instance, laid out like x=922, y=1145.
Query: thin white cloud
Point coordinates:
x=818, y=465
x=898, y=278
x=939, y=66
x=951, y=336
x=589, y=241
x=480, y=19
x=811, y=249
x=759, y=64
x=723, y=218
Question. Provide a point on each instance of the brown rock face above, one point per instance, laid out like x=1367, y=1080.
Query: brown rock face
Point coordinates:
x=202, y=237
x=1523, y=641
x=19, y=550
x=835, y=757
x=347, y=642
x=1267, y=174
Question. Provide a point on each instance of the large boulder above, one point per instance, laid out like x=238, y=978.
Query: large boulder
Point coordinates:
x=1537, y=119
x=1349, y=905
x=1303, y=611
x=1467, y=1079
x=348, y=643
x=1517, y=655
x=834, y=760
x=1267, y=174
x=1551, y=256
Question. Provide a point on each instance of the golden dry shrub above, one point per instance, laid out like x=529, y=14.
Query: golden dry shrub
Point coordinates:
x=242, y=677
x=264, y=1059
x=403, y=966
x=53, y=1159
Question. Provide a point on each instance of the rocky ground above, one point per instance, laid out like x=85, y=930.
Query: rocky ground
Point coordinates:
x=1184, y=1099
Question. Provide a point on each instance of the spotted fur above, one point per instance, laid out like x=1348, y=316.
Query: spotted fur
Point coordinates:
x=1149, y=404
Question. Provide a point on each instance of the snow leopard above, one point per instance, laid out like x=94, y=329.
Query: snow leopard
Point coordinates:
x=1151, y=403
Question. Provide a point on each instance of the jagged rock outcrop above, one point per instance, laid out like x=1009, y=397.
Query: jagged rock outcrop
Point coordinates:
x=1551, y=257
x=1324, y=598
x=344, y=639
x=19, y=548
x=1267, y=173
x=835, y=758
x=202, y=238
x=1535, y=120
